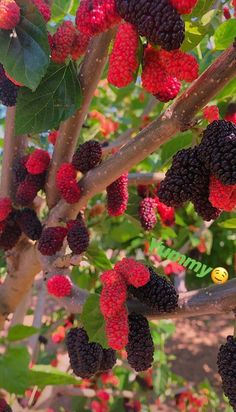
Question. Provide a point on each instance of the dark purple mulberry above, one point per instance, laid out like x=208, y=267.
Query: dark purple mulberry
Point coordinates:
x=226, y=362
x=108, y=360
x=30, y=223
x=140, y=348
x=26, y=192
x=10, y=234
x=51, y=240
x=158, y=21
x=4, y=407
x=85, y=357
x=19, y=170
x=8, y=90
x=158, y=293
x=203, y=207
x=78, y=237
x=87, y=156
x=147, y=213
x=218, y=150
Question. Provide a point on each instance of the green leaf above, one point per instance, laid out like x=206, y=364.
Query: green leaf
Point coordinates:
x=25, y=56
x=93, y=320
x=194, y=33
x=228, y=91
x=124, y=232
x=225, y=34
x=61, y=8
x=43, y=375
x=57, y=98
x=14, y=374
x=177, y=143
x=97, y=257
x=228, y=224
x=19, y=332
x=201, y=8
x=161, y=379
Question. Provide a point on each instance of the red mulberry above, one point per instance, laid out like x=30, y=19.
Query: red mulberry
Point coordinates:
x=61, y=42
x=179, y=64
x=158, y=21
x=140, y=348
x=117, y=196
x=79, y=45
x=38, y=162
x=167, y=213
x=59, y=286
x=226, y=362
x=66, y=183
x=30, y=223
x=96, y=16
x=52, y=137
x=112, y=298
x=5, y=207
x=211, y=113
x=43, y=8
x=87, y=156
x=9, y=14
x=78, y=237
x=109, y=277
x=124, y=62
x=184, y=6
x=51, y=240
x=117, y=330
x=221, y=196
x=134, y=273
x=147, y=213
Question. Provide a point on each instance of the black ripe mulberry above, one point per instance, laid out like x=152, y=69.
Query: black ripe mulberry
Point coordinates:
x=87, y=156
x=226, y=362
x=19, y=170
x=8, y=90
x=51, y=240
x=218, y=150
x=203, y=206
x=10, y=234
x=158, y=21
x=186, y=177
x=158, y=293
x=85, y=357
x=78, y=237
x=30, y=223
x=140, y=347
x=108, y=360
x=147, y=213
x=4, y=407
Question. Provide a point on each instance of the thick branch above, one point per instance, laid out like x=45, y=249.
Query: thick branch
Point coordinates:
x=145, y=178
x=176, y=118
x=89, y=76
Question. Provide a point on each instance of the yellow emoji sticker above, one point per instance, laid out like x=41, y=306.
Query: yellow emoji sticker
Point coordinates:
x=219, y=275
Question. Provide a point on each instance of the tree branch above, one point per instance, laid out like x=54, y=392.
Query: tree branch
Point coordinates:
x=176, y=118
x=89, y=76
x=136, y=179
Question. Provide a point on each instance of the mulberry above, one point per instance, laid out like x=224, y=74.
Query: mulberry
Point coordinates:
x=117, y=196
x=59, y=286
x=4, y=407
x=43, y=8
x=19, y=169
x=179, y=64
x=112, y=298
x=124, y=62
x=147, y=213
x=87, y=156
x=8, y=90
x=140, y=348
x=61, y=42
x=97, y=16
x=79, y=45
x=37, y=180
x=226, y=362
x=222, y=196
x=134, y=273
x=109, y=277
x=26, y=192
x=203, y=207
x=52, y=137
x=158, y=21
x=38, y=162
x=167, y=213
x=9, y=14
x=66, y=183
x=155, y=78
x=117, y=330
x=78, y=237
x=51, y=240
x=218, y=150
x=184, y=6
x=10, y=235
x=30, y=223
x=144, y=191
x=211, y=113
x=158, y=293
x=108, y=360
x=5, y=208
x=85, y=357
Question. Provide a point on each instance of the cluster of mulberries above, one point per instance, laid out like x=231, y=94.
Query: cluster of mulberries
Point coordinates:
x=226, y=362
x=113, y=298
x=87, y=358
x=118, y=196
x=97, y=16
x=9, y=14
x=59, y=286
x=8, y=90
x=78, y=236
x=124, y=60
x=150, y=205
x=66, y=42
x=163, y=72
x=29, y=175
